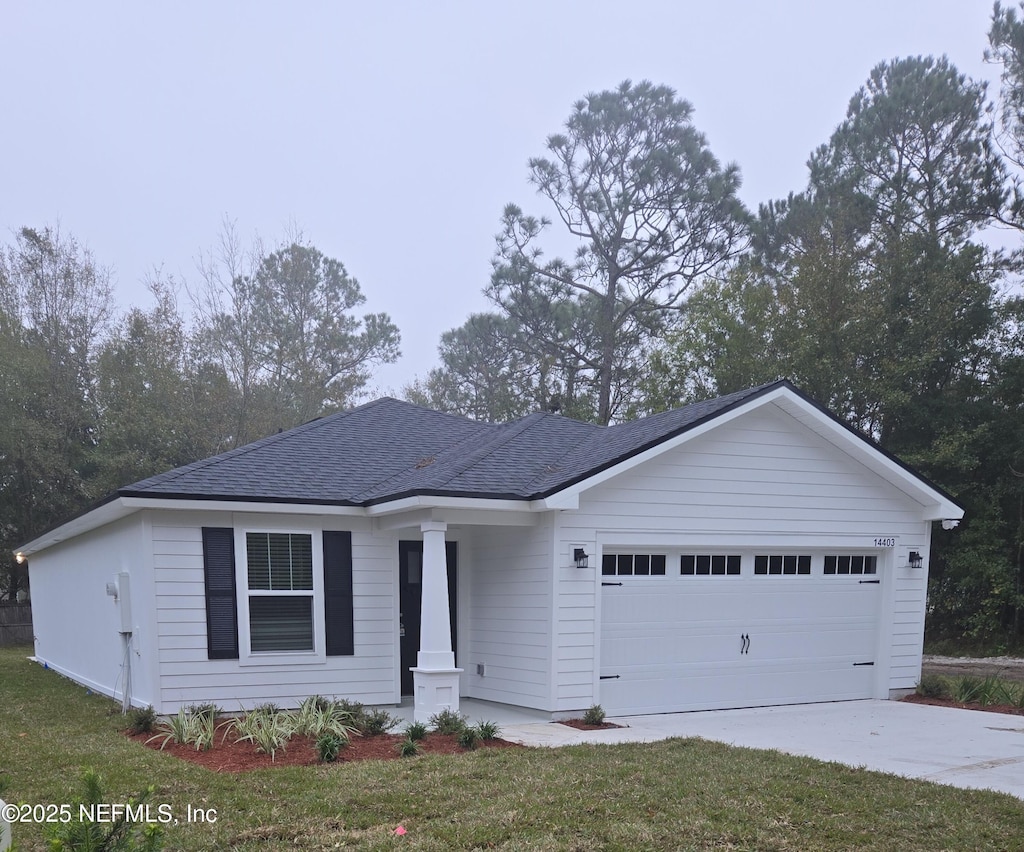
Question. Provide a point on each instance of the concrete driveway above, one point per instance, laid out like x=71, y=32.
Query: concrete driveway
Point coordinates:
x=962, y=748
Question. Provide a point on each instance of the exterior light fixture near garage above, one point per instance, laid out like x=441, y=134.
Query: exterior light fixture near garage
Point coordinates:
x=916, y=560
x=580, y=557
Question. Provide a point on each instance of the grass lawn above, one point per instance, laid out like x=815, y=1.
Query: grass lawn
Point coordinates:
x=678, y=794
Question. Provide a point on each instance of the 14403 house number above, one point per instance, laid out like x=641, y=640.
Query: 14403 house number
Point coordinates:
x=885, y=542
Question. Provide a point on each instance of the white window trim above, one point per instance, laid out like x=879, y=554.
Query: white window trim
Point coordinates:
x=248, y=657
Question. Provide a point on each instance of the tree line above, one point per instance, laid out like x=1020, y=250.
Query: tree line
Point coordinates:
x=874, y=288
x=91, y=401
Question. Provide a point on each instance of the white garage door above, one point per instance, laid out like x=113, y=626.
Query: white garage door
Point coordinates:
x=700, y=630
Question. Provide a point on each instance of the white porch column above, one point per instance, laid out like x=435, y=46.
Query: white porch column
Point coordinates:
x=435, y=678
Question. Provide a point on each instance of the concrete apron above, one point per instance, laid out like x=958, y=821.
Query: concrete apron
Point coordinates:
x=961, y=748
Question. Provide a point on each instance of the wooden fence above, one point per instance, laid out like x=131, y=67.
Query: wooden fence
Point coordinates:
x=15, y=624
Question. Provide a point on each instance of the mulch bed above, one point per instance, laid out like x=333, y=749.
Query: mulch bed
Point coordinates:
x=580, y=725
x=301, y=751
x=945, y=702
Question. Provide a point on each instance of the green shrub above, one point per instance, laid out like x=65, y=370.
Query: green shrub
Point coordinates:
x=118, y=835
x=377, y=722
x=933, y=686
x=469, y=738
x=448, y=721
x=266, y=726
x=1007, y=692
x=990, y=691
x=354, y=710
x=488, y=730
x=206, y=711
x=408, y=747
x=328, y=746
x=967, y=689
x=594, y=715
x=416, y=730
x=142, y=720
x=318, y=716
x=192, y=728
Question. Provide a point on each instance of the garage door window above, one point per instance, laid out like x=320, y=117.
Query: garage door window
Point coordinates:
x=633, y=564
x=706, y=565
x=781, y=565
x=854, y=564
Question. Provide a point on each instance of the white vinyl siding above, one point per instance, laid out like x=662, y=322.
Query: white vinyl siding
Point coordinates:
x=186, y=674
x=510, y=616
x=762, y=482
x=77, y=625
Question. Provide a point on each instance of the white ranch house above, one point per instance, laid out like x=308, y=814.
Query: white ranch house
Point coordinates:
x=749, y=550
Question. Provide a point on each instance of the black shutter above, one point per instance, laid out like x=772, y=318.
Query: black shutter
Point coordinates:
x=221, y=600
x=338, y=593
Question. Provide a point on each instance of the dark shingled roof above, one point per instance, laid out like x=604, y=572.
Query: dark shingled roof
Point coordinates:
x=388, y=449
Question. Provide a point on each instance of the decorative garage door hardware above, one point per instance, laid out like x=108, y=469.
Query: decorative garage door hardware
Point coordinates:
x=611, y=584
x=865, y=664
x=744, y=643
x=869, y=582
x=610, y=677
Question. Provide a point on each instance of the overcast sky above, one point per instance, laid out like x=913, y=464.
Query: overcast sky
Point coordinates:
x=394, y=133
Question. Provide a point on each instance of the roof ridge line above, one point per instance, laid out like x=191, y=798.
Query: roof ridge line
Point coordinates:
x=368, y=492
x=495, y=442
x=600, y=430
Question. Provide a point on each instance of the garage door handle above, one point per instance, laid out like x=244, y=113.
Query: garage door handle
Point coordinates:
x=611, y=584
x=744, y=643
x=610, y=677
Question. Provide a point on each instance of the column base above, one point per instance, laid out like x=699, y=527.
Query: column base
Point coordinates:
x=434, y=690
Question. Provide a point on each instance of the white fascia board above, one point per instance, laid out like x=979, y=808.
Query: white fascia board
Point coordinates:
x=100, y=516
x=934, y=505
x=252, y=506
x=427, y=501
x=121, y=507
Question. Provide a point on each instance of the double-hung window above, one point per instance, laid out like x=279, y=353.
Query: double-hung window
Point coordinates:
x=279, y=575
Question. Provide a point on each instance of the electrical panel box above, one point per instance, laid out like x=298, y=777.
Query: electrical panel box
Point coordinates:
x=121, y=591
x=124, y=602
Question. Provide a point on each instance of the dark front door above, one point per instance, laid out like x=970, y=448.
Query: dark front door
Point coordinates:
x=410, y=580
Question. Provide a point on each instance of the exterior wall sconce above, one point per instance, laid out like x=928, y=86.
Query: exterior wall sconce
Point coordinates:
x=916, y=560
x=580, y=557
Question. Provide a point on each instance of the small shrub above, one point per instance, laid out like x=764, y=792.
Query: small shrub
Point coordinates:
x=318, y=716
x=210, y=711
x=933, y=686
x=122, y=834
x=354, y=710
x=448, y=722
x=268, y=708
x=594, y=715
x=142, y=720
x=1006, y=692
x=416, y=730
x=328, y=746
x=266, y=726
x=377, y=722
x=408, y=747
x=488, y=730
x=192, y=728
x=469, y=738
x=991, y=691
x=967, y=689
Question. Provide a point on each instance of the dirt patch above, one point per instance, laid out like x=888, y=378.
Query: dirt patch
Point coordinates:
x=1008, y=668
x=301, y=751
x=580, y=725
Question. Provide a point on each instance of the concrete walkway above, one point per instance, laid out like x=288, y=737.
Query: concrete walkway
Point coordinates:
x=962, y=748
